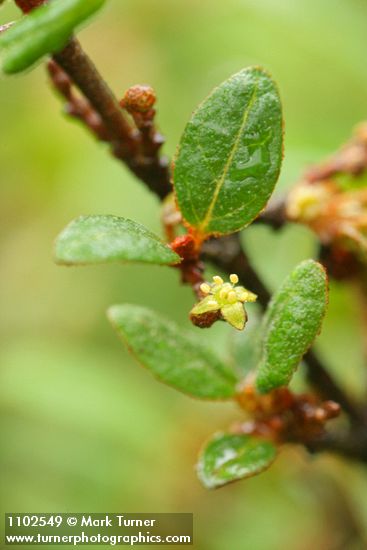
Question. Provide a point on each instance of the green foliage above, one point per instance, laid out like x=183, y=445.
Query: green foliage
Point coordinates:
x=230, y=154
x=230, y=457
x=98, y=239
x=43, y=31
x=67, y=399
x=225, y=170
x=174, y=357
x=291, y=323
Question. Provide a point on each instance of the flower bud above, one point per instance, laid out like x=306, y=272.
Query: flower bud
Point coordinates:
x=139, y=99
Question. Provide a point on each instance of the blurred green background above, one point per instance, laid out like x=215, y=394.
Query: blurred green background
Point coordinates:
x=84, y=427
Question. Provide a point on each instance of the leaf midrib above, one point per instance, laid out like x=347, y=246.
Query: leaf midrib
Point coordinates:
x=227, y=165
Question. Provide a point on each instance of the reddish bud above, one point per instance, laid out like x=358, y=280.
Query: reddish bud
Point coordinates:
x=138, y=99
x=185, y=246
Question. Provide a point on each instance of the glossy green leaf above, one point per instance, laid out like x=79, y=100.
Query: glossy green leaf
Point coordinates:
x=174, y=357
x=43, y=31
x=98, y=239
x=229, y=157
x=229, y=457
x=291, y=323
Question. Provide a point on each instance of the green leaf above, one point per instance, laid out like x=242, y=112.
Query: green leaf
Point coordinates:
x=173, y=356
x=230, y=457
x=291, y=323
x=43, y=31
x=229, y=157
x=98, y=239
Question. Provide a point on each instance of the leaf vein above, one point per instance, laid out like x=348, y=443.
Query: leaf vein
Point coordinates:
x=227, y=165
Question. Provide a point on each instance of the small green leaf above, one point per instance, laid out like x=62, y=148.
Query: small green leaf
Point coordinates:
x=173, y=356
x=98, y=239
x=43, y=31
x=291, y=323
x=230, y=457
x=229, y=157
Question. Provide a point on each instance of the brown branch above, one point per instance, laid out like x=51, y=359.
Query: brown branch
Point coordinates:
x=274, y=214
x=85, y=76
x=350, y=444
x=322, y=381
x=125, y=140
x=76, y=105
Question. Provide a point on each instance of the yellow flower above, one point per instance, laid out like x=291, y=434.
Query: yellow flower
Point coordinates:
x=225, y=298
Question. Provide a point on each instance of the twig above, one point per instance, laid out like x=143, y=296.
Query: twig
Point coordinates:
x=320, y=378
x=274, y=214
x=83, y=73
x=77, y=106
x=351, y=444
x=125, y=140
